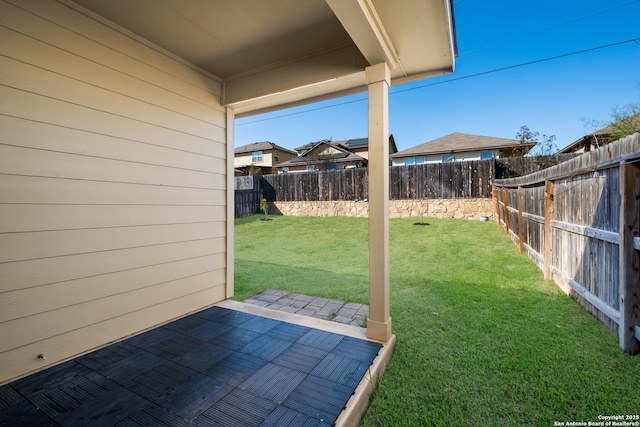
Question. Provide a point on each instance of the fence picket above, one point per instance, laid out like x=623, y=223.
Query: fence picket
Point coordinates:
x=591, y=215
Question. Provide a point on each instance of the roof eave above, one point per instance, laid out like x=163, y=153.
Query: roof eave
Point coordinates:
x=424, y=45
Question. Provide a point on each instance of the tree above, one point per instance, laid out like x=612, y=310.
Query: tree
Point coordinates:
x=545, y=147
x=526, y=135
x=264, y=207
x=623, y=121
x=254, y=170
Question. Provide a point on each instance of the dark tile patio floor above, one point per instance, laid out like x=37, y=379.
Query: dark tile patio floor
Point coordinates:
x=217, y=367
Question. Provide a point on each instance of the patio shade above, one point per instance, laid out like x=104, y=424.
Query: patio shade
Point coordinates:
x=278, y=53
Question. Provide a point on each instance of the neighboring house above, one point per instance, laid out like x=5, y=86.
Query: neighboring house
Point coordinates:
x=359, y=146
x=262, y=155
x=603, y=136
x=117, y=146
x=459, y=147
x=331, y=155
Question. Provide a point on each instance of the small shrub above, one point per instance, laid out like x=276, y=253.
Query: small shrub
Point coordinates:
x=264, y=207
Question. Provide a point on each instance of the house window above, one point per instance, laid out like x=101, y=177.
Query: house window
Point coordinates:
x=420, y=160
x=285, y=169
x=409, y=161
x=276, y=156
x=256, y=157
x=485, y=155
x=447, y=158
x=310, y=168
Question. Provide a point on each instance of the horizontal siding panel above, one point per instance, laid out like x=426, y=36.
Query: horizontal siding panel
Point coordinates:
x=26, y=105
x=32, y=273
x=112, y=185
x=51, y=164
x=26, y=189
x=33, y=245
x=56, y=322
x=43, y=55
x=21, y=218
x=94, y=40
x=30, y=134
x=21, y=360
x=29, y=78
x=32, y=301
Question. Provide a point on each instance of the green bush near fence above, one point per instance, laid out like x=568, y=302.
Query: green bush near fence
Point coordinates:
x=482, y=339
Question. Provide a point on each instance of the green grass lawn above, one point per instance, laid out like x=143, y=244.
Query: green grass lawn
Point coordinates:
x=482, y=339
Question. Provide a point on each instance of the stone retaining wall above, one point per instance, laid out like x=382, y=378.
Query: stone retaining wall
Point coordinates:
x=434, y=208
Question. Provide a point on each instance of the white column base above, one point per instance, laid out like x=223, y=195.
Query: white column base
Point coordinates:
x=379, y=331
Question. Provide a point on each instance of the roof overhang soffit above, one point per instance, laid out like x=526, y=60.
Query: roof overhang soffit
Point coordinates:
x=425, y=32
x=334, y=73
x=363, y=24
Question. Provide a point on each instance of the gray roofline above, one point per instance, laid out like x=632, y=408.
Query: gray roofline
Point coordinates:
x=458, y=142
x=248, y=148
x=435, y=153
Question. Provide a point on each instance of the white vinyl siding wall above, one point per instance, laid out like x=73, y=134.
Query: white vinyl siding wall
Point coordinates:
x=112, y=185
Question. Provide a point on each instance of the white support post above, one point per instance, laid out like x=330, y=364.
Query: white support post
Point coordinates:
x=379, y=321
x=230, y=202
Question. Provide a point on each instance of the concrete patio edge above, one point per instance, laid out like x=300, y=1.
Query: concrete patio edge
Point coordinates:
x=359, y=402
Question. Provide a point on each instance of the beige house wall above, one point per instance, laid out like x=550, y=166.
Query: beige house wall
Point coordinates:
x=432, y=208
x=283, y=156
x=363, y=152
x=268, y=159
x=113, y=185
x=327, y=150
x=245, y=159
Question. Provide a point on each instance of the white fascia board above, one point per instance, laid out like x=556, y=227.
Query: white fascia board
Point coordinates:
x=314, y=92
x=361, y=21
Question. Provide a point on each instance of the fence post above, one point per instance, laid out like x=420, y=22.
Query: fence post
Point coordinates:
x=505, y=201
x=521, y=218
x=629, y=290
x=548, y=232
x=496, y=204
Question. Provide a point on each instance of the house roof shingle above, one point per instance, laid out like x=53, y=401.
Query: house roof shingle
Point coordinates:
x=349, y=144
x=355, y=142
x=343, y=155
x=458, y=142
x=261, y=146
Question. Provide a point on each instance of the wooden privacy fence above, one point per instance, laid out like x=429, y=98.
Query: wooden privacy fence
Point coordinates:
x=428, y=181
x=247, y=203
x=455, y=180
x=580, y=222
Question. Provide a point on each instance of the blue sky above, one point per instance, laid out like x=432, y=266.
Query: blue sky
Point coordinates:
x=552, y=97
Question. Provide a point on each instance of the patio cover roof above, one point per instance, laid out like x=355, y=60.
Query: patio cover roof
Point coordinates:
x=272, y=54
x=280, y=53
